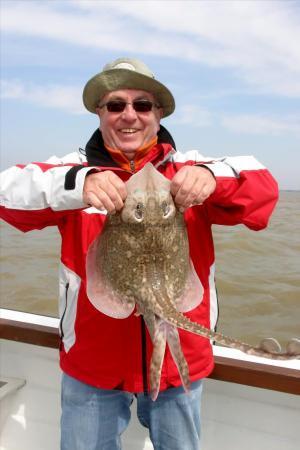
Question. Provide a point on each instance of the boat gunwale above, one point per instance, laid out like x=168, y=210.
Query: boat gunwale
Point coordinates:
x=233, y=370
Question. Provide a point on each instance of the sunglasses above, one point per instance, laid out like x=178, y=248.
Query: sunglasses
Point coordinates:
x=117, y=106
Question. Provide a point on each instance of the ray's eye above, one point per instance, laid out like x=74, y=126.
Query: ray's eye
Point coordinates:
x=139, y=211
x=165, y=208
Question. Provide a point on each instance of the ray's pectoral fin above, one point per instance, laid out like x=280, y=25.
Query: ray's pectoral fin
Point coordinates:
x=178, y=356
x=100, y=294
x=192, y=294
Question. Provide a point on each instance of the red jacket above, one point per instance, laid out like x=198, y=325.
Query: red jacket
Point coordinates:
x=107, y=352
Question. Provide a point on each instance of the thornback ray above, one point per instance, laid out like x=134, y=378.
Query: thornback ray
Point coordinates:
x=142, y=259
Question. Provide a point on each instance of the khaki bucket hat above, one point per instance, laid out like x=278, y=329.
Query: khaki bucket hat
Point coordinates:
x=126, y=73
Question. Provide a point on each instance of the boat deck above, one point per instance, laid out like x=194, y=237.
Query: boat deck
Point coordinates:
x=248, y=403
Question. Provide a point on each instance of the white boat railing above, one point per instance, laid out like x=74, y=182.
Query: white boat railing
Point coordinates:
x=230, y=365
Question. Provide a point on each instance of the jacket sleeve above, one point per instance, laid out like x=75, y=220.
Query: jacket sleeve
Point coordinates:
x=37, y=195
x=246, y=192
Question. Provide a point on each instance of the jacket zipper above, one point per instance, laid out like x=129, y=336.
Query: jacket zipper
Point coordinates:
x=160, y=163
x=62, y=318
x=132, y=165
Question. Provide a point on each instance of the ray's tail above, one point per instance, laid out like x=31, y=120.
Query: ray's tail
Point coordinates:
x=268, y=348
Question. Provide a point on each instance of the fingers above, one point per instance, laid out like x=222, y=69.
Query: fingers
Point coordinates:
x=102, y=201
x=192, y=185
x=118, y=184
x=183, y=189
x=104, y=190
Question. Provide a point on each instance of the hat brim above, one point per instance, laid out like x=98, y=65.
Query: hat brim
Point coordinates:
x=115, y=79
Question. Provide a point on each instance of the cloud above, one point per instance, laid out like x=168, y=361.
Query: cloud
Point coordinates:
x=66, y=98
x=192, y=115
x=262, y=124
x=257, y=41
x=50, y=20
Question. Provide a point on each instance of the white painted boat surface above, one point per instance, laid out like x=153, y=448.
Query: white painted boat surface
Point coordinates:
x=234, y=416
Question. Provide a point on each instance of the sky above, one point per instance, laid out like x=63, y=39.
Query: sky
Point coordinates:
x=232, y=66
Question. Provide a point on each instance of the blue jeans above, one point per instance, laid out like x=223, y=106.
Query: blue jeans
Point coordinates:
x=94, y=419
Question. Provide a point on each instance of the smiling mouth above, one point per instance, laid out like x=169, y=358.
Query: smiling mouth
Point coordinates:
x=128, y=130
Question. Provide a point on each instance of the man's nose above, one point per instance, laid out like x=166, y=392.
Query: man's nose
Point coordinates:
x=129, y=112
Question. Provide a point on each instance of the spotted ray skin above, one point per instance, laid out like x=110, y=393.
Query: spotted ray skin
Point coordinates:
x=142, y=258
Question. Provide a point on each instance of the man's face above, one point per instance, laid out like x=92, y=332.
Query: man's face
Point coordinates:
x=128, y=130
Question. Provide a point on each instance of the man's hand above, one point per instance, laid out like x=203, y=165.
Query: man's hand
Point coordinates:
x=104, y=190
x=191, y=186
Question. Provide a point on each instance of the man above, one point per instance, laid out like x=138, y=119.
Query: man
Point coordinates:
x=105, y=361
